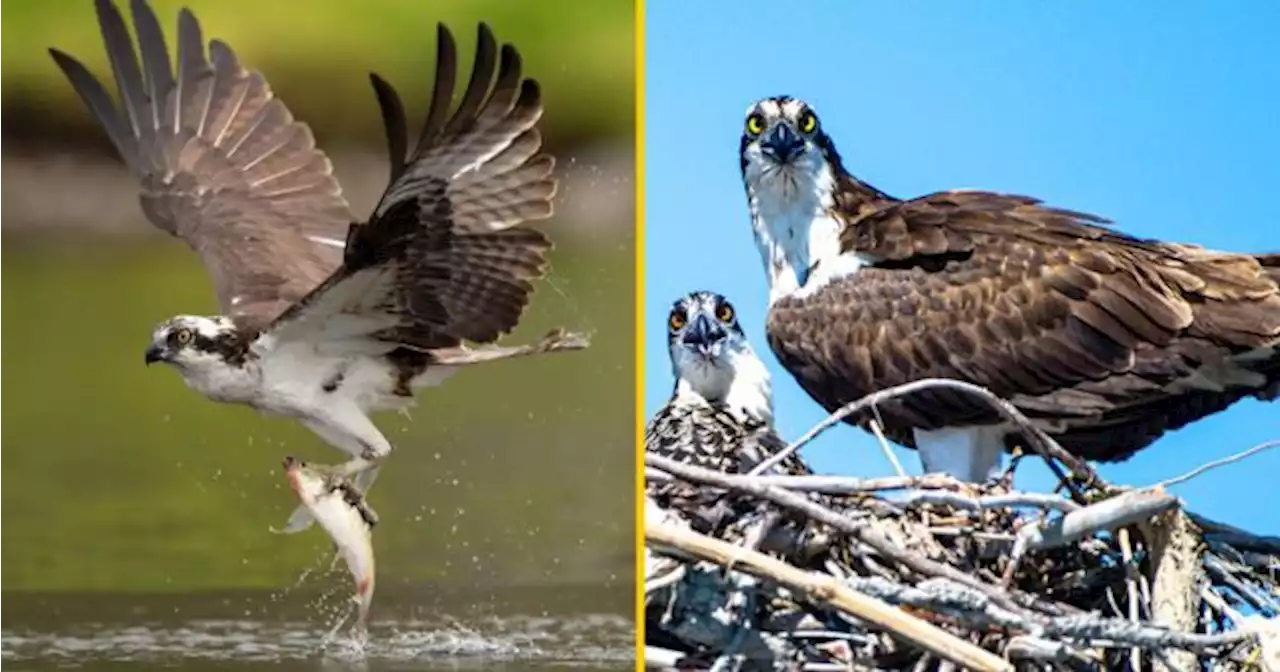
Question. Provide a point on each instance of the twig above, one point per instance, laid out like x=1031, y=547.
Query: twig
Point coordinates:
x=923, y=545
x=1125, y=509
x=658, y=583
x=1215, y=600
x=1013, y=500
x=1217, y=463
x=1035, y=648
x=886, y=448
x=1126, y=554
x=912, y=561
x=824, y=589
x=976, y=610
x=1048, y=447
x=1218, y=569
x=835, y=485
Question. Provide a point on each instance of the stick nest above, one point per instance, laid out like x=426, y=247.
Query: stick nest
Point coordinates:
x=765, y=572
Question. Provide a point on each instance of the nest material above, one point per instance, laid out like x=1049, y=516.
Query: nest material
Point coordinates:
x=926, y=573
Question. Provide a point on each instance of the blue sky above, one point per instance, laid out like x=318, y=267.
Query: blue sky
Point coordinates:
x=1161, y=117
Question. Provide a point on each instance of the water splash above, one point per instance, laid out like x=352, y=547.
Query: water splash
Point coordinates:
x=596, y=639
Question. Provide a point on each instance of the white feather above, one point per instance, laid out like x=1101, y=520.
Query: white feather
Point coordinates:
x=332, y=242
x=794, y=229
x=735, y=377
x=971, y=454
x=322, y=368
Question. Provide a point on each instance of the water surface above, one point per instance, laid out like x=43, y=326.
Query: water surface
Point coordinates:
x=415, y=628
x=138, y=512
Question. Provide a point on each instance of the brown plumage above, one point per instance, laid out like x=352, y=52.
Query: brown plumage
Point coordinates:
x=1106, y=340
x=691, y=430
x=443, y=242
x=697, y=432
x=1083, y=328
x=224, y=166
x=222, y=163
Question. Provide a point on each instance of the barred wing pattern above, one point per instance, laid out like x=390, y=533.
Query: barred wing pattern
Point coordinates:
x=443, y=257
x=222, y=163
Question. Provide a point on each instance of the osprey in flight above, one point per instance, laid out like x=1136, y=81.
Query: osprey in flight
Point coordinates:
x=1104, y=340
x=720, y=415
x=326, y=318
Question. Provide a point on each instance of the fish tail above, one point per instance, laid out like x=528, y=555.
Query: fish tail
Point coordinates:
x=363, y=598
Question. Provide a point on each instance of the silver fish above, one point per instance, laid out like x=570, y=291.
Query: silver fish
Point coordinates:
x=342, y=511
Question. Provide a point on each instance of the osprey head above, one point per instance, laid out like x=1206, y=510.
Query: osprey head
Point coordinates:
x=710, y=355
x=193, y=343
x=783, y=144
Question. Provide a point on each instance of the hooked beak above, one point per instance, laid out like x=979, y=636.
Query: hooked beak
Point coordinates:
x=782, y=144
x=155, y=353
x=704, y=336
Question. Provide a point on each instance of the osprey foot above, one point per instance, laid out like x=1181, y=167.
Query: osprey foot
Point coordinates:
x=367, y=513
x=357, y=470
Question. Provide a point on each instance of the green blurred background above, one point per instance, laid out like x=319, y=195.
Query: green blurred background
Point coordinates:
x=116, y=477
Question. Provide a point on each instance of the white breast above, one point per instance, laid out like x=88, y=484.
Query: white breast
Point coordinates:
x=296, y=373
x=794, y=230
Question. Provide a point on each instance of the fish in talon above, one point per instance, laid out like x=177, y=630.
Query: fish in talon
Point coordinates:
x=342, y=511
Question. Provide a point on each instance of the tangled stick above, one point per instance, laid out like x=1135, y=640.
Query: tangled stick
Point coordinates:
x=1091, y=584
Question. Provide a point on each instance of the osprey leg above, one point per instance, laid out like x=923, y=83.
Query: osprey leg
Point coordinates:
x=350, y=430
x=970, y=454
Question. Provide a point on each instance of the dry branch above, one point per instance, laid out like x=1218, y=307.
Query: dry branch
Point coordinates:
x=921, y=573
x=824, y=589
x=1043, y=443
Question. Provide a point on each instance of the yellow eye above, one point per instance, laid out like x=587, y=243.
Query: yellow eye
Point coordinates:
x=808, y=123
x=183, y=336
x=755, y=124
x=677, y=320
x=724, y=313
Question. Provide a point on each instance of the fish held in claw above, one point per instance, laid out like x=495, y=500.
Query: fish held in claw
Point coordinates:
x=341, y=510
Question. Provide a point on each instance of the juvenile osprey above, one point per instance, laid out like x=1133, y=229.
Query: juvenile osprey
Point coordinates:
x=325, y=318
x=720, y=415
x=1107, y=341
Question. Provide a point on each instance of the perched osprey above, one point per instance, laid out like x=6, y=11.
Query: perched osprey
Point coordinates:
x=1105, y=340
x=327, y=318
x=720, y=415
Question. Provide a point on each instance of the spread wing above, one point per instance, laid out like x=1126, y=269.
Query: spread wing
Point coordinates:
x=443, y=259
x=222, y=163
x=1093, y=331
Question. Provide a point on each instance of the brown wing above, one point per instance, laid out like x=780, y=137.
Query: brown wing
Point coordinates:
x=1081, y=326
x=222, y=162
x=442, y=259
